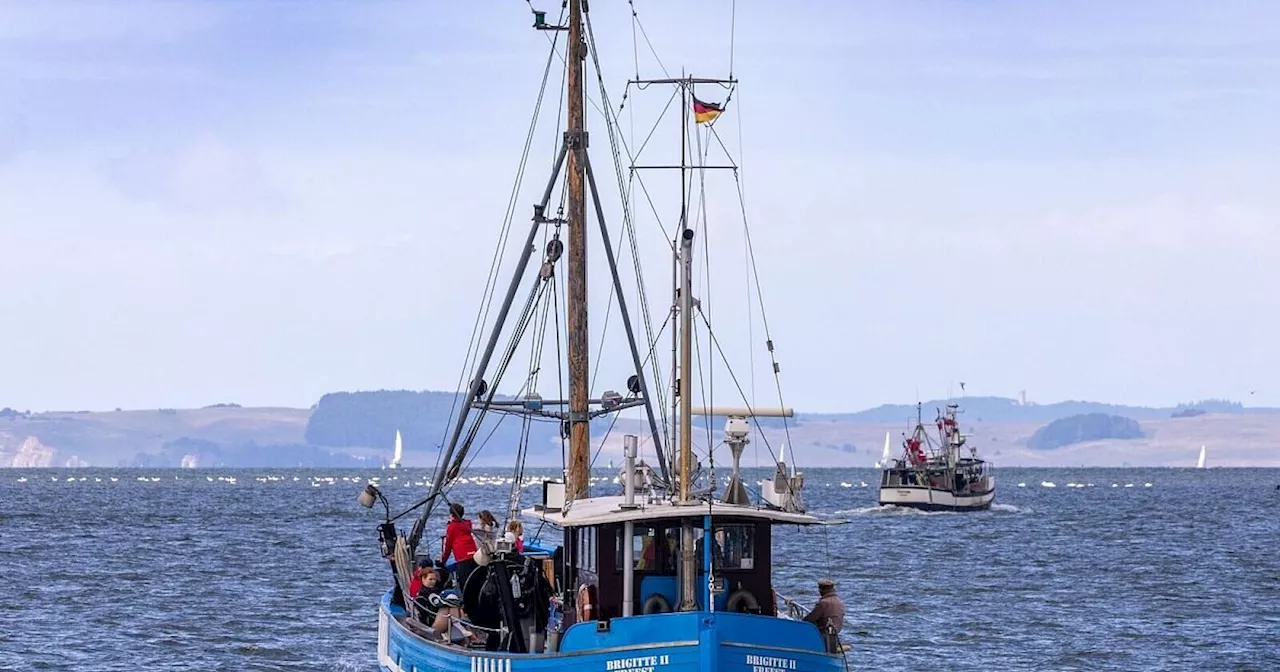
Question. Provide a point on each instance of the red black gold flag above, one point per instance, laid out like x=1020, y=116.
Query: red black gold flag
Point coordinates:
x=705, y=112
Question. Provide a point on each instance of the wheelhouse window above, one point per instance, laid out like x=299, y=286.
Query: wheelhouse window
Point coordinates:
x=587, y=548
x=735, y=546
x=654, y=548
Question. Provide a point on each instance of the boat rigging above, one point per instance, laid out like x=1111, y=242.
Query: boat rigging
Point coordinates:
x=697, y=567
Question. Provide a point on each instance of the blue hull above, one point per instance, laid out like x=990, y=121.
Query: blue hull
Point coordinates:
x=654, y=643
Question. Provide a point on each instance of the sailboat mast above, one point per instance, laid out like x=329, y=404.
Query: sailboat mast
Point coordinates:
x=576, y=266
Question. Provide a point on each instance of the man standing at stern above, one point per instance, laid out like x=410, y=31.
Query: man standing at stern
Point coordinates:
x=828, y=614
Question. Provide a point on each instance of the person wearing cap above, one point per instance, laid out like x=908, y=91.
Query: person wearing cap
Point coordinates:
x=828, y=614
x=449, y=616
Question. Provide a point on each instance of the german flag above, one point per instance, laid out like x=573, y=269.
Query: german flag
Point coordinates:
x=705, y=112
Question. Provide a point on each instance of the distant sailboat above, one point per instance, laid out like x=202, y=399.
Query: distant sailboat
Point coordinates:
x=1200, y=462
x=884, y=456
x=395, y=460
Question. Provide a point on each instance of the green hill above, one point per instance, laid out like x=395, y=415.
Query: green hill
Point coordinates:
x=1081, y=428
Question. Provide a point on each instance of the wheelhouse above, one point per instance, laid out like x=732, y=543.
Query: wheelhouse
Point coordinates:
x=594, y=555
x=967, y=473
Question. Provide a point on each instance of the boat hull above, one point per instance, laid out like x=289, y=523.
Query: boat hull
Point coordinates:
x=935, y=499
x=653, y=643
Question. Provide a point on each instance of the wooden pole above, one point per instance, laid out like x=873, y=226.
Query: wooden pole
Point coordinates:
x=578, y=477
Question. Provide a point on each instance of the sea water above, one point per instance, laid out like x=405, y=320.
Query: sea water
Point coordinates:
x=1072, y=569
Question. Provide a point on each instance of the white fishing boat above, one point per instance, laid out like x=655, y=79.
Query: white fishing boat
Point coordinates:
x=938, y=477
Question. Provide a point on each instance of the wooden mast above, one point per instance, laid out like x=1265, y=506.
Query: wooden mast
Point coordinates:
x=578, y=476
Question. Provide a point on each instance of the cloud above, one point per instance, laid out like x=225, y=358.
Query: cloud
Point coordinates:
x=203, y=175
x=72, y=21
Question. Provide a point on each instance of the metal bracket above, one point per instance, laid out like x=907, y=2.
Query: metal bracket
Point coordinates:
x=577, y=139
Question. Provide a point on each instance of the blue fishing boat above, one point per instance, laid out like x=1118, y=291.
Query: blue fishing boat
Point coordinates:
x=664, y=573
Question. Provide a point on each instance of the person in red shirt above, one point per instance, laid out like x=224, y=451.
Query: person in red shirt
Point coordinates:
x=459, y=542
x=415, y=583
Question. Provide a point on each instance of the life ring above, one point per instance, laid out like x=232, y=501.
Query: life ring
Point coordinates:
x=586, y=603
x=742, y=601
x=656, y=604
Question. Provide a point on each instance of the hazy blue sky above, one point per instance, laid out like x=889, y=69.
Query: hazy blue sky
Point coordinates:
x=259, y=201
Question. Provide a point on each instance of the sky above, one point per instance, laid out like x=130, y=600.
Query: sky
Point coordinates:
x=263, y=201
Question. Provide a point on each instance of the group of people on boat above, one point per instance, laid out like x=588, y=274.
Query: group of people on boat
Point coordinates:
x=439, y=606
x=462, y=541
x=437, y=592
x=437, y=595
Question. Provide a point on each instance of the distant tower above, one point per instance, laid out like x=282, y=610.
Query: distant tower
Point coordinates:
x=1022, y=398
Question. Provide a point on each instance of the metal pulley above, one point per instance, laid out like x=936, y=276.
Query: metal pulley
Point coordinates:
x=554, y=249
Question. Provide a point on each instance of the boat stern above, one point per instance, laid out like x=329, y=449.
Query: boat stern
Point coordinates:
x=670, y=642
x=702, y=640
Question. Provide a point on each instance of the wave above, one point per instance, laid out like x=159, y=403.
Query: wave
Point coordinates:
x=891, y=510
x=1009, y=508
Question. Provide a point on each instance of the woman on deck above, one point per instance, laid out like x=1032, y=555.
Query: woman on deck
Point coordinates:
x=515, y=535
x=459, y=542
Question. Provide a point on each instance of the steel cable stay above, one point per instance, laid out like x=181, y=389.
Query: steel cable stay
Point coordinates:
x=742, y=393
x=468, y=445
x=611, y=124
x=625, y=187
x=513, y=343
x=703, y=152
x=488, y=294
x=605, y=110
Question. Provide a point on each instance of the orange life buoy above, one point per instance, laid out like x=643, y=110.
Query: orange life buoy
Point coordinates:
x=586, y=607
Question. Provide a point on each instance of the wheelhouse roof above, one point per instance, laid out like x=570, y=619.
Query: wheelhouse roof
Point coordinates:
x=606, y=510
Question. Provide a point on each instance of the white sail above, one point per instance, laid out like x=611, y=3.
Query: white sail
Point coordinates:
x=884, y=456
x=1200, y=463
x=395, y=460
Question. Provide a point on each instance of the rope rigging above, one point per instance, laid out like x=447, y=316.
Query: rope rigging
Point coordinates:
x=763, y=436
x=545, y=297
x=487, y=296
x=611, y=124
x=749, y=254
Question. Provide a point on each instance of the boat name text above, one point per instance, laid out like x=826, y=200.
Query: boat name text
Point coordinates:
x=637, y=664
x=770, y=664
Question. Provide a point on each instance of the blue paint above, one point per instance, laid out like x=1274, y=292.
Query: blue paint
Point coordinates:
x=707, y=542
x=662, y=585
x=667, y=586
x=708, y=643
x=697, y=640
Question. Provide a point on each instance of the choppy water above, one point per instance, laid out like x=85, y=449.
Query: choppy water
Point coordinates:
x=169, y=570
